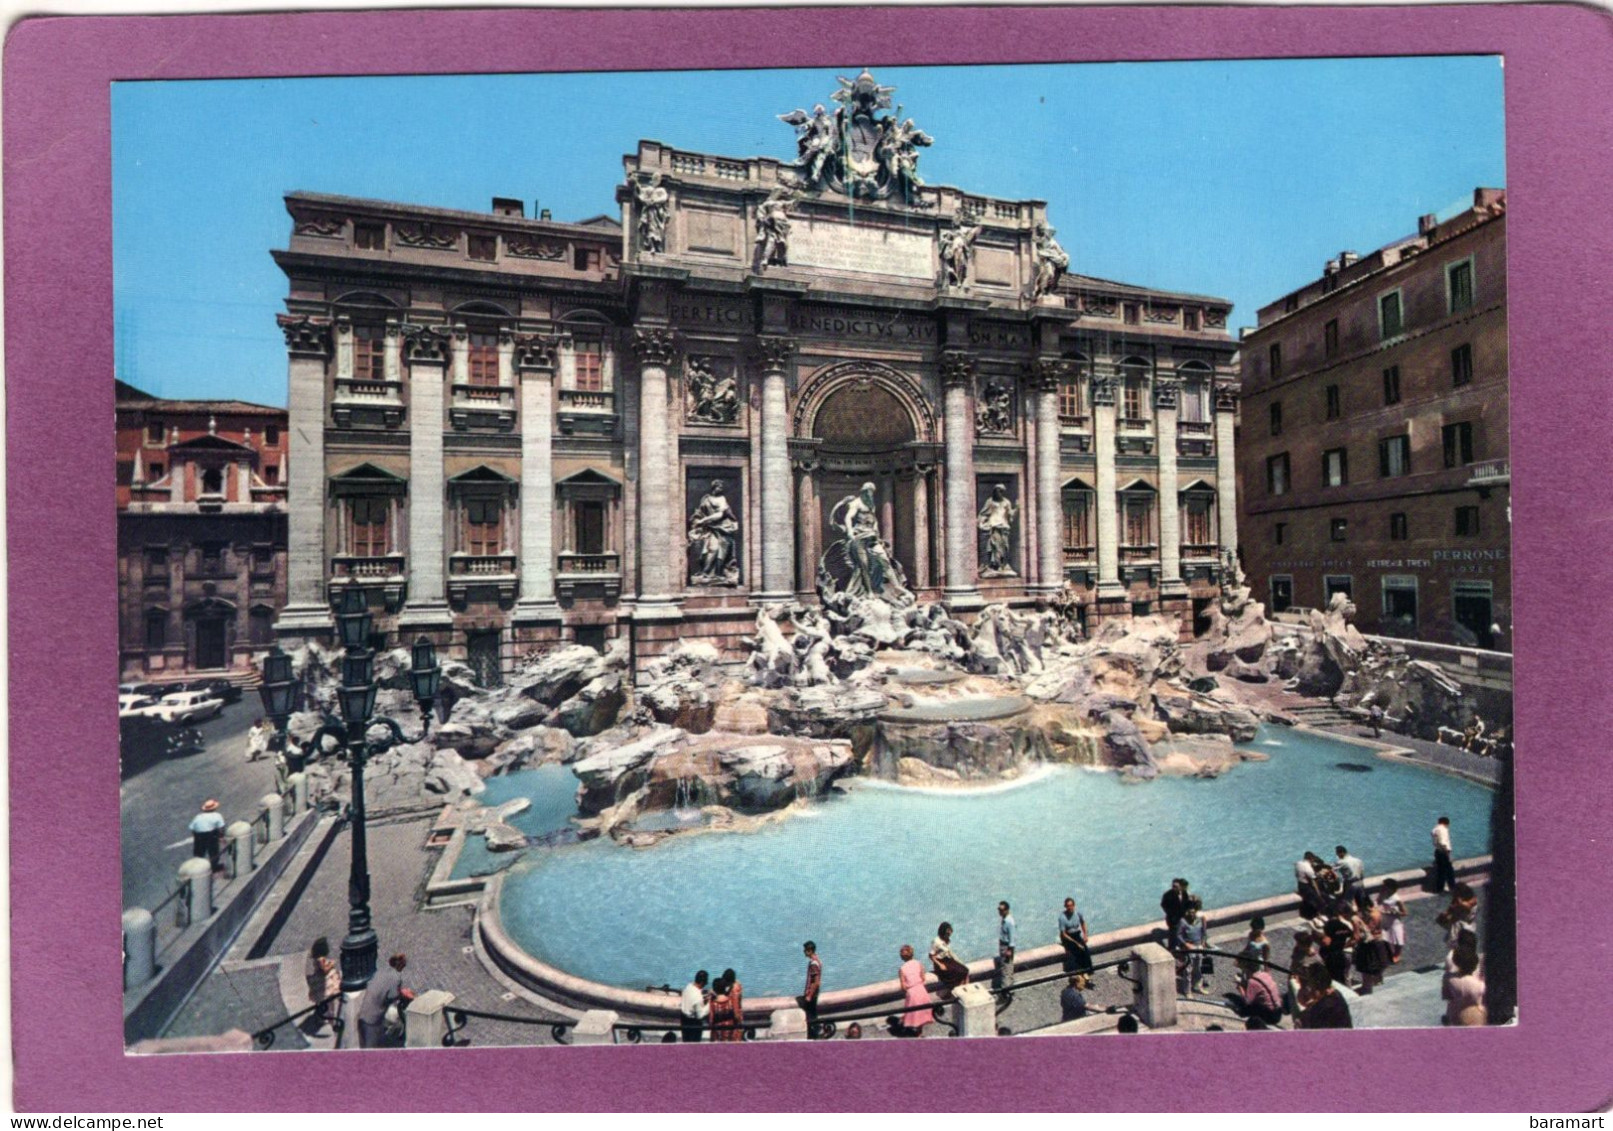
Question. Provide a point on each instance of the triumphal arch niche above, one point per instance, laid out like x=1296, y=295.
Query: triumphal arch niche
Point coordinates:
x=858, y=423
x=663, y=406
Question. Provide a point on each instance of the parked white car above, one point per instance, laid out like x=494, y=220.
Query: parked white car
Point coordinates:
x=188, y=707
x=132, y=706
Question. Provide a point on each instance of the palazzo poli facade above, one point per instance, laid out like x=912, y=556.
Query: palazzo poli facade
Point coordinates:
x=512, y=431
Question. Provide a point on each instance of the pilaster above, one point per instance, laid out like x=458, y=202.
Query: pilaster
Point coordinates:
x=1043, y=384
x=307, y=611
x=1103, y=437
x=778, y=526
x=1166, y=389
x=427, y=605
x=1226, y=470
x=957, y=374
x=533, y=355
x=656, y=349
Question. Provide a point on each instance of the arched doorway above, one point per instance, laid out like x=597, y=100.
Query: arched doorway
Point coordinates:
x=863, y=430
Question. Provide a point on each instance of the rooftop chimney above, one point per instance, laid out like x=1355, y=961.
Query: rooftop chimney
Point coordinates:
x=545, y=215
x=1348, y=259
x=1332, y=267
x=1426, y=224
x=506, y=206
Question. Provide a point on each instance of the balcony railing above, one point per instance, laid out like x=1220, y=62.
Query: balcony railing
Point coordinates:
x=587, y=400
x=1490, y=473
x=368, y=389
x=1135, y=423
x=1139, y=553
x=1197, y=550
x=485, y=394
x=1195, y=427
x=367, y=402
x=1080, y=555
x=481, y=565
x=1078, y=421
x=585, y=564
x=363, y=570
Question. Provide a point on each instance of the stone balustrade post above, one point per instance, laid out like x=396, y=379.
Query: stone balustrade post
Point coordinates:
x=425, y=1021
x=1154, y=998
x=241, y=846
x=297, y=783
x=274, y=813
x=786, y=1025
x=595, y=1027
x=139, y=947
x=197, y=874
x=974, y=1011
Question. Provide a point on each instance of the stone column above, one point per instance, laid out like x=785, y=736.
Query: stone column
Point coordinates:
x=1103, y=436
x=778, y=523
x=534, y=355
x=923, y=576
x=307, y=612
x=806, y=495
x=1045, y=374
x=1226, y=470
x=657, y=348
x=429, y=350
x=1170, y=504
x=957, y=374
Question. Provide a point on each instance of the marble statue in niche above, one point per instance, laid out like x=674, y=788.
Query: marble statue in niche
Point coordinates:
x=996, y=522
x=713, y=530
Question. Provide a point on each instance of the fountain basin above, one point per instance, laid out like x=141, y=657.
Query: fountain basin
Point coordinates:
x=864, y=872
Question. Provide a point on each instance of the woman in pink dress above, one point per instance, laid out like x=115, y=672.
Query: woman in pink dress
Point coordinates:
x=916, y=997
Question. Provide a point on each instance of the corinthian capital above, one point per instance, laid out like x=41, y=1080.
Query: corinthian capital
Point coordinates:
x=1226, y=398
x=656, y=346
x=305, y=337
x=536, y=351
x=957, y=368
x=775, y=353
x=1103, y=390
x=426, y=343
x=1166, y=390
x=1043, y=374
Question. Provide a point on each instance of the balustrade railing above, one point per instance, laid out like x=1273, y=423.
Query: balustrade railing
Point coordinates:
x=1138, y=553
x=588, y=563
x=484, y=394
x=368, y=389
x=347, y=567
x=1080, y=554
x=481, y=565
x=587, y=400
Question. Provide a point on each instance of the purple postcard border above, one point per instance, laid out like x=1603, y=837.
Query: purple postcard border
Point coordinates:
x=65, y=905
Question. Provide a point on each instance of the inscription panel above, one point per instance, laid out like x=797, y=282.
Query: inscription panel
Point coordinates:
x=843, y=322
x=711, y=232
x=867, y=250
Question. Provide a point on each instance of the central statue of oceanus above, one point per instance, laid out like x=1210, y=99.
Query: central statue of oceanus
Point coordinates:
x=860, y=564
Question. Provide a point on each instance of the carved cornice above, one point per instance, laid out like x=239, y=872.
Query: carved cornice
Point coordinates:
x=775, y=353
x=305, y=337
x=535, y=247
x=1044, y=374
x=1166, y=390
x=426, y=344
x=536, y=351
x=658, y=346
x=957, y=368
x=438, y=237
x=326, y=225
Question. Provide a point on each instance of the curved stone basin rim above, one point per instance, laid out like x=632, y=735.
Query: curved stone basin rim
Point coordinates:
x=540, y=977
x=977, y=709
x=925, y=677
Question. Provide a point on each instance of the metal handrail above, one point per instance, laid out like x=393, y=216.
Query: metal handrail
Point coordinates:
x=181, y=893
x=264, y=1038
x=458, y=1017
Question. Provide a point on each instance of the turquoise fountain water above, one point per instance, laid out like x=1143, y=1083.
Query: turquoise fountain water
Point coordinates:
x=864, y=873
x=551, y=788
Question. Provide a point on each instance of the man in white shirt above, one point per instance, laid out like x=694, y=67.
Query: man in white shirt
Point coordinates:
x=1444, y=872
x=1351, y=871
x=694, y=1007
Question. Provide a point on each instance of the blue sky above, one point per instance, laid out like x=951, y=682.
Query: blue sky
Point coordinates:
x=1228, y=178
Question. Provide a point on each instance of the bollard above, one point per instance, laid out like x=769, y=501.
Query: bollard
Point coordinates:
x=242, y=847
x=347, y=1009
x=1154, y=999
x=974, y=1011
x=596, y=1027
x=274, y=816
x=199, y=872
x=425, y=1023
x=786, y=1025
x=299, y=791
x=139, y=947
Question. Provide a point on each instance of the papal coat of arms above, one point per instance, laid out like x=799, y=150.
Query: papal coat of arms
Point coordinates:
x=856, y=150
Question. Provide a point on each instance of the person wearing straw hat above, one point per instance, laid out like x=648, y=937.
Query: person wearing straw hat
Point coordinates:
x=206, y=830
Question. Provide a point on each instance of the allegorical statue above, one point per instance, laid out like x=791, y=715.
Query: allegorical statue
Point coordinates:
x=712, y=530
x=862, y=555
x=773, y=229
x=1051, y=260
x=958, y=250
x=652, y=213
x=996, y=520
x=817, y=141
x=995, y=413
x=898, y=153
x=713, y=397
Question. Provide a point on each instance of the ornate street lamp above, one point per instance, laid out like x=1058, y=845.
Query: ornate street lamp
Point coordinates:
x=356, y=700
x=279, y=694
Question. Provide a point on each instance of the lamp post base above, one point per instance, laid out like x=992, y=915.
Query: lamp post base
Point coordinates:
x=360, y=950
